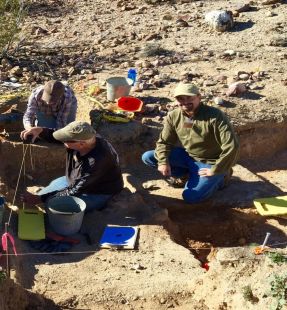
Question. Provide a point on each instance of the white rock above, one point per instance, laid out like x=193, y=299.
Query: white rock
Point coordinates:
x=229, y=53
x=243, y=76
x=219, y=20
x=218, y=101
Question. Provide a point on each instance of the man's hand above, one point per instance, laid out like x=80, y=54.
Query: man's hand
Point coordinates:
x=205, y=172
x=34, y=132
x=164, y=170
x=30, y=198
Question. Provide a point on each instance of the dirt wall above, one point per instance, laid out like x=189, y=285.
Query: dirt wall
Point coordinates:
x=262, y=140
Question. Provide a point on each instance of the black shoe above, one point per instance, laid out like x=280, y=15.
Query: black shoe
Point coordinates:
x=177, y=182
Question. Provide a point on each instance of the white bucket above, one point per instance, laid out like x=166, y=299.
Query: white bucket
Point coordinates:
x=66, y=214
x=118, y=86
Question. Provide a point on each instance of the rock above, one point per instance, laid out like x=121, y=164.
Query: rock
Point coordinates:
x=146, y=121
x=243, y=76
x=279, y=41
x=6, y=64
x=267, y=2
x=151, y=107
x=137, y=267
x=13, y=80
x=229, y=53
x=182, y=23
x=209, y=83
x=270, y=14
x=218, y=101
x=3, y=76
x=243, y=7
x=167, y=17
x=253, y=87
x=236, y=88
x=15, y=71
x=221, y=78
x=147, y=64
x=148, y=74
x=162, y=301
x=195, y=58
x=219, y=20
x=37, y=30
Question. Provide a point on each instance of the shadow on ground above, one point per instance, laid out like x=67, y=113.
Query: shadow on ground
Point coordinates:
x=52, y=8
x=241, y=26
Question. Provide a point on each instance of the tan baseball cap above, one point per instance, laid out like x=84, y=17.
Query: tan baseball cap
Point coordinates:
x=183, y=89
x=75, y=131
x=53, y=91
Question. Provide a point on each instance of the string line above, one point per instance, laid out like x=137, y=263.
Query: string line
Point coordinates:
x=96, y=251
x=18, y=180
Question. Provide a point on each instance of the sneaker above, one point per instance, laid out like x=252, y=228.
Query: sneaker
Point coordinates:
x=177, y=182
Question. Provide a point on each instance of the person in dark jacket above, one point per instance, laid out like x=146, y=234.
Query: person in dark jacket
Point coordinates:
x=92, y=166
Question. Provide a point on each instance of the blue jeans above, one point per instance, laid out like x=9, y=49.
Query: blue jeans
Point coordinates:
x=196, y=188
x=93, y=202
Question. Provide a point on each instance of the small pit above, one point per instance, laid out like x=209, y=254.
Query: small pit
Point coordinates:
x=203, y=231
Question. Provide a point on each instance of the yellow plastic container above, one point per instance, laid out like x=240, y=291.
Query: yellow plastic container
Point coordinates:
x=273, y=206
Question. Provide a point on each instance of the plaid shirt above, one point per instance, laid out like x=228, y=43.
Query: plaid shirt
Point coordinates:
x=60, y=111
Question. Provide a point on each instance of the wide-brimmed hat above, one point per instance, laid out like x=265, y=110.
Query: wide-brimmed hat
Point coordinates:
x=75, y=131
x=53, y=91
x=183, y=89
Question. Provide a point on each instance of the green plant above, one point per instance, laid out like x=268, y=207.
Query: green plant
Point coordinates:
x=248, y=294
x=3, y=275
x=277, y=258
x=11, y=13
x=279, y=291
x=153, y=49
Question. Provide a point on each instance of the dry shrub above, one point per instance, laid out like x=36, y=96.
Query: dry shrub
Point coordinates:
x=11, y=14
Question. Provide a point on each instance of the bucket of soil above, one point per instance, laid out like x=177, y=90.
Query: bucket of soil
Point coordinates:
x=66, y=214
x=117, y=87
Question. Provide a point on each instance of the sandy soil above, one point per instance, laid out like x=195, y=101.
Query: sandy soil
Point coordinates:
x=87, y=41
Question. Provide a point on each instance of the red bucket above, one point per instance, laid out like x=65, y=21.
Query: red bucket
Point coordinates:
x=130, y=104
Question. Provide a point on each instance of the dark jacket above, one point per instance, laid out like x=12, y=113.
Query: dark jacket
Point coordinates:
x=97, y=172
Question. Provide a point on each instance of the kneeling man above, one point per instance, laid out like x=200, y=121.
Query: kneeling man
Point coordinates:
x=209, y=146
x=92, y=166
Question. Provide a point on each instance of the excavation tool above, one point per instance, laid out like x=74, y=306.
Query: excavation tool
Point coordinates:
x=262, y=248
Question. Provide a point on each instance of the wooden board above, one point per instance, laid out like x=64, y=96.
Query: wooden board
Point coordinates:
x=31, y=224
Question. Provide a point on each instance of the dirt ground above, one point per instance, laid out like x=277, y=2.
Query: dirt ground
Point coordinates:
x=85, y=42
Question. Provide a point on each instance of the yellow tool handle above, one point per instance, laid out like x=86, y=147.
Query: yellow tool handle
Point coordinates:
x=116, y=119
x=97, y=102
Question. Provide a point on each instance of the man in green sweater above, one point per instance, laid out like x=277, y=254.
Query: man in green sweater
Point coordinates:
x=209, y=149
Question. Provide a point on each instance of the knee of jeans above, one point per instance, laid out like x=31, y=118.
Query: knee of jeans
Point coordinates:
x=192, y=196
x=148, y=157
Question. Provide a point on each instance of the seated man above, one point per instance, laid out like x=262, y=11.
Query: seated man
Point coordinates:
x=210, y=146
x=53, y=105
x=92, y=166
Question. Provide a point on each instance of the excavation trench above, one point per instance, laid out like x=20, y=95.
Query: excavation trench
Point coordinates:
x=201, y=230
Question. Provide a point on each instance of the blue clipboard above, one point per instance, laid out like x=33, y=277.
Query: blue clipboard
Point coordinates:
x=123, y=237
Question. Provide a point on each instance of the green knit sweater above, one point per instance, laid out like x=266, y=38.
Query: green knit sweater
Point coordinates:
x=210, y=138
